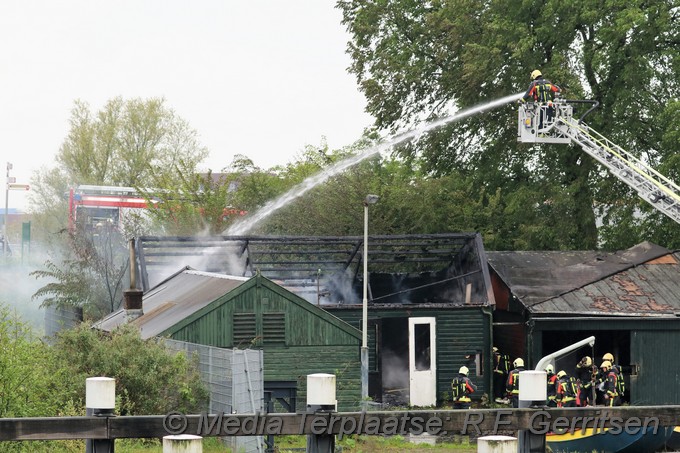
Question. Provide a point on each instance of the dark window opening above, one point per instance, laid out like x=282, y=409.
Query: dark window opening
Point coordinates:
x=422, y=346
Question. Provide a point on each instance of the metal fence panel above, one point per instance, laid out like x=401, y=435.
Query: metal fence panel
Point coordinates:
x=61, y=318
x=235, y=380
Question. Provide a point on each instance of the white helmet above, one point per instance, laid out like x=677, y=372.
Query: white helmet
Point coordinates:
x=464, y=370
x=549, y=369
x=518, y=362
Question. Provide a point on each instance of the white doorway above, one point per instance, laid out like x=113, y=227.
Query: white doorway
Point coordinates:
x=422, y=358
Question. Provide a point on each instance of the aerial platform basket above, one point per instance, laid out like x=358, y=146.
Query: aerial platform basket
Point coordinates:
x=543, y=123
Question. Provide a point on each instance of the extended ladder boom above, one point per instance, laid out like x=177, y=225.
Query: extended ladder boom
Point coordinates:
x=653, y=187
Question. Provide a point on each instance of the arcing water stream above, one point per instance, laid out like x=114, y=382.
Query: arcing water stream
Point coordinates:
x=247, y=224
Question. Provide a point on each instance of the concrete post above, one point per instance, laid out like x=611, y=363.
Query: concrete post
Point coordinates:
x=321, y=398
x=183, y=443
x=100, y=401
x=533, y=392
x=496, y=444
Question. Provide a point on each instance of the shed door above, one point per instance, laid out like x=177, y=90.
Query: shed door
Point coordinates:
x=422, y=356
x=654, y=368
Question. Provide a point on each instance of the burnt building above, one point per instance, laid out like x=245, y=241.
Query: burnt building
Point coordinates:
x=429, y=297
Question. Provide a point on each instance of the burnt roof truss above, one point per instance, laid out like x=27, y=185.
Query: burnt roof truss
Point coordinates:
x=423, y=269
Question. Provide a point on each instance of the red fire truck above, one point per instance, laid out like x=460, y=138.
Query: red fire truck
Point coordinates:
x=98, y=205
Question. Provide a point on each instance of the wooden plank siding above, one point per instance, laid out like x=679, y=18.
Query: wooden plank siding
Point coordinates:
x=653, y=354
x=461, y=332
x=297, y=337
x=295, y=363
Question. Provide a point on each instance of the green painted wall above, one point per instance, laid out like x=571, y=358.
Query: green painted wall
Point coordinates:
x=460, y=332
x=294, y=364
x=297, y=337
x=654, y=353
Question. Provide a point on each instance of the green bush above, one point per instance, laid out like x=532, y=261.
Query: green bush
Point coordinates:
x=150, y=379
x=24, y=380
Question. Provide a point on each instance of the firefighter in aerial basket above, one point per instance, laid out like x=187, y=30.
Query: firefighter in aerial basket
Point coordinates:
x=542, y=92
x=461, y=388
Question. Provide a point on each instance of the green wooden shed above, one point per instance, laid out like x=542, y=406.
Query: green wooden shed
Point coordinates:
x=297, y=338
x=628, y=300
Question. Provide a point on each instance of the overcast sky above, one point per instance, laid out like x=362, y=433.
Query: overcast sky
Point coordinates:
x=256, y=77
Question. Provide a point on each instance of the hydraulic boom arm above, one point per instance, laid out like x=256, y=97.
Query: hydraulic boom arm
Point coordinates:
x=652, y=186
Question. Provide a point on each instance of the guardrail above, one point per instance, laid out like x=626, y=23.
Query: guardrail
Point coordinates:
x=437, y=422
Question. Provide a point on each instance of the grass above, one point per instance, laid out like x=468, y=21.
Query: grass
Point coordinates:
x=284, y=444
x=372, y=444
x=290, y=444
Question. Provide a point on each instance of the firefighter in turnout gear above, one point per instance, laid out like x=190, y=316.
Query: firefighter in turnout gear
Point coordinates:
x=461, y=388
x=620, y=382
x=542, y=92
x=501, y=366
x=566, y=390
x=512, y=385
x=586, y=376
x=552, y=386
x=609, y=385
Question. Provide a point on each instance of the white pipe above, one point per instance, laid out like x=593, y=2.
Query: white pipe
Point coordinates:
x=547, y=359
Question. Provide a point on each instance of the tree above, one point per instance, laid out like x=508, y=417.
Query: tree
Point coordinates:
x=416, y=60
x=91, y=277
x=128, y=143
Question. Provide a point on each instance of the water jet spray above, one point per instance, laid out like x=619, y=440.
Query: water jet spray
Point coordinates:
x=250, y=222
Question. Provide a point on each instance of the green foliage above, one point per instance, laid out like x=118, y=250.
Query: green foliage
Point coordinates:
x=149, y=379
x=23, y=382
x=416, y=60
x=41, y=380
x=126, y=143
x=194, y=204
x=91, y=278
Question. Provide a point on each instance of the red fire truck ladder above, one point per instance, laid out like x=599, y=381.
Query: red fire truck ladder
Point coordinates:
x=653, y=187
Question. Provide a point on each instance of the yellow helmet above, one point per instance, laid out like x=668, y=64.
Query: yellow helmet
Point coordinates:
x=608, y=357
x=549, y=369
x=606, y=365
x=464, y=370
x=586, y=361
x=495, y=349
x=535, y=73
x=518, y=363
x=561, y=374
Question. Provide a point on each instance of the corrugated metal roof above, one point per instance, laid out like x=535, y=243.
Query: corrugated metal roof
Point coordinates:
x=587, y=282
x=174, y=299
x=649, y=289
